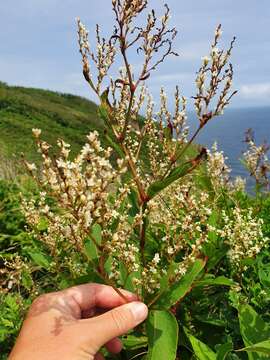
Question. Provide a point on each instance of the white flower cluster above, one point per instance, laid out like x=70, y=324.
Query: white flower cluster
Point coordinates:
x=82, y=190
x=257, y=162
x=103, y=59
x=217, y=169
x=212, y=75
x=243, y=233
x=183, y=216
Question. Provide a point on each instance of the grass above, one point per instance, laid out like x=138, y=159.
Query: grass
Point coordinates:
x=58, y=116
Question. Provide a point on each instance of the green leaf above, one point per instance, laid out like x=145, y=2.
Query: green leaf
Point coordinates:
x=10, y=301
x=90, y=247
x=123, y=273
x=220, y=280
x=40, y=259
x=201, y=350
x=42, y=225
x=263, y=347
x=133, y=198
x=115, y=146
x=178, y=290
x=7, y=323
x=224, y=350
x=103, y=113
x=162, y=332
x=168, y=133
x=27, y=281
x=264, y=274
x=207, y=319
x=177, y=173
x=132, y=342
x=253, y=329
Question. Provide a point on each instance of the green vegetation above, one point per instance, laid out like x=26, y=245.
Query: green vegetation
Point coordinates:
x=58, y=115
x=225, y=316
x=154, y=214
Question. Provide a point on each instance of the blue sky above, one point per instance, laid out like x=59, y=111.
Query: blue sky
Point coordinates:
x=39, y=45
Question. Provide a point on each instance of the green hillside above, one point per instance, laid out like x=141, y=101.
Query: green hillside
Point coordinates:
x=58, y=115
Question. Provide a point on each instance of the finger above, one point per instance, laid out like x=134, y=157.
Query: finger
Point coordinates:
x=113, y=323
x=99, y=356
x=75, y=301
x=114, y=346
x=88, y=296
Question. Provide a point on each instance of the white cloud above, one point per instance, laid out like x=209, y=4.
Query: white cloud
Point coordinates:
x=174, y=77
x=194, y=50
x=255, y=91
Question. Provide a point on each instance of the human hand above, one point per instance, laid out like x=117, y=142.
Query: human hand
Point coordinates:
x=67, y=325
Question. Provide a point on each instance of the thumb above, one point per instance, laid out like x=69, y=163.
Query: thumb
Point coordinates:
x=118, y=321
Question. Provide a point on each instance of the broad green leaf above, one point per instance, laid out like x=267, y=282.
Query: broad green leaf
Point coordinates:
x=115, y=146
x=264, y=274
x=129, y=285
x=177, y=173
x=108, y=265
x=123, y=273
x=206, y=318
x=162, y=332
x=201, y=350
x=178, y=290
x=40, y=259
x=262, y=347
x=132, y=342
x=220, y=280
x=103, y=112
x=213, y=248
x=216, y=255
x=90, y=247
x=253, y=329
x=224, y=350
x=133, y=198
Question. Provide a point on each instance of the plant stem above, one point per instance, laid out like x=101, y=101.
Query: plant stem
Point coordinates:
x=143, y=232
x=183, y=150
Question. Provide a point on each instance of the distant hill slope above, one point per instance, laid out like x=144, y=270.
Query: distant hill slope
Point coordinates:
x=58, y=115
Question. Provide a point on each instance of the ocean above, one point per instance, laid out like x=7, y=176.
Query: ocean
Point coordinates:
x=228, y=131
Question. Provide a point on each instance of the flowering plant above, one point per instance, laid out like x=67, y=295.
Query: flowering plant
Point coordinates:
x=143, y=211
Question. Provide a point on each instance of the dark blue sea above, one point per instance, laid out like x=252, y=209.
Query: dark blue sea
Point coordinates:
x=228, y=131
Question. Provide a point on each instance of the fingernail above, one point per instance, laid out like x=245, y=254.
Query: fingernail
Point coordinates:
x=139, y=311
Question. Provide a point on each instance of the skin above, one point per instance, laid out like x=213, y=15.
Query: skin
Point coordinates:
x=75, y=323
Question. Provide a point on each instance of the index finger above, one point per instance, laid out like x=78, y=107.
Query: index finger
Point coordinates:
x=92, y=295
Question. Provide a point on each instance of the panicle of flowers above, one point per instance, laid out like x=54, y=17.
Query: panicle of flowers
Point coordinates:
x=81, y=190
x=214, y=81
x=165, y=135
x=219, y=172
x=184, y=216
x=121, y=247
x=102, y=59
x=256, y=160
x=149, y=40
x=217, y=169
x=151, y=275
x=237, y=185
x=243, y=233
x=127, y=204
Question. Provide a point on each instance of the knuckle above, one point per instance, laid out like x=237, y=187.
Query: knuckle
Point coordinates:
x=40, y=303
